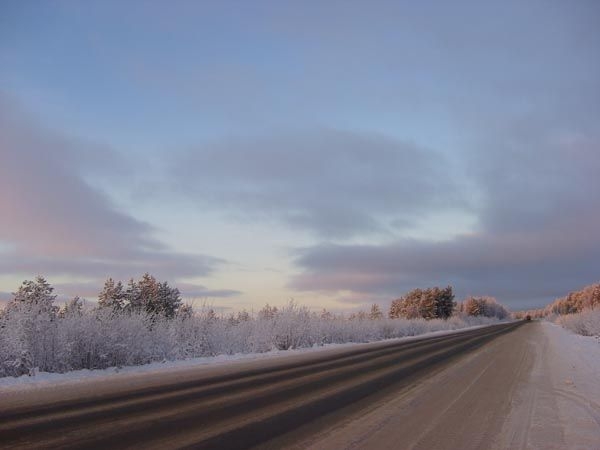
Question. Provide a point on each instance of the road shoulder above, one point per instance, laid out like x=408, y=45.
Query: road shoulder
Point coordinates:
x=558, y=406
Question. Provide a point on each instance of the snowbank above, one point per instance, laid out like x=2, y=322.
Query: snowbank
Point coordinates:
x=574, y=365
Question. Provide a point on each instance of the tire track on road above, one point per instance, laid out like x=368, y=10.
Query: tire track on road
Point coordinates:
x=239, y=409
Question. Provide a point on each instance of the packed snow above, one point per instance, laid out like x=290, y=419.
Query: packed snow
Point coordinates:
x=574, y=361
x=558, y=406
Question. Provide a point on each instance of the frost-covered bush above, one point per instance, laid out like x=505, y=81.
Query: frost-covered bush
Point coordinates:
x=483, y=306
x=28, y=329
x=586, y=323
x=35, y=335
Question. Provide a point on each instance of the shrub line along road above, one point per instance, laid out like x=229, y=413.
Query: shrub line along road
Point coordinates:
x=315, y=399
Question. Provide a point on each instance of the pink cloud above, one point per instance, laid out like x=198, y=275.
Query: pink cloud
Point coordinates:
x=54, y=222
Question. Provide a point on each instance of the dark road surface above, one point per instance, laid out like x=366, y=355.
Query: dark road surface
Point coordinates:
x=308, y=401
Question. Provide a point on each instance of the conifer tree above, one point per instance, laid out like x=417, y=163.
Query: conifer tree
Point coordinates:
x=33, y=316
x=431, y=303
x=375, y=313
x=146, y=295
x=112, y=295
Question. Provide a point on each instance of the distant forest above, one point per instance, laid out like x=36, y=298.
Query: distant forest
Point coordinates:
x=579, y=311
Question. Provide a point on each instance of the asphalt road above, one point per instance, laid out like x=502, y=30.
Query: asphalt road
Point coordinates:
x=433, y=393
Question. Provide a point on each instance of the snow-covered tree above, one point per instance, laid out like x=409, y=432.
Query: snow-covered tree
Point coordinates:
x=33, y=335
x=72, y=307
x=147, y=294
x=30, y=319
x=444, y=302
x=375, y=313
x=131, y=297
x=428, y=304
x=112, y=295
x=326, y=315
x=36, y=295
x=578, y=301
x=168, y=300
x=484, y=306
x=268, y=312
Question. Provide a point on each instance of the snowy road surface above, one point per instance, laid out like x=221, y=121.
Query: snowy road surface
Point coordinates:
x=482, y=388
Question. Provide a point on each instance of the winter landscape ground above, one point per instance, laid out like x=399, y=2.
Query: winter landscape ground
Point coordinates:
x=370, y=380
x=559, y=402
x=545, y=396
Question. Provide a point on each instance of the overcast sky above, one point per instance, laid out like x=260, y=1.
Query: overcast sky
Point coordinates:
x=335, y=152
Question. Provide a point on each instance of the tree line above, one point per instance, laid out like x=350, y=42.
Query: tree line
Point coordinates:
x=146, y=320
x=575, y=302
x=578, y=311
x=147, y=295
x=438, y=303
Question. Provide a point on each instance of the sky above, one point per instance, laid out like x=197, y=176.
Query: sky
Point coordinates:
x=338, y=153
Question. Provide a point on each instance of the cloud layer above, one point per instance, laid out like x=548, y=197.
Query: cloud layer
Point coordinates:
x=518, y=269
x=539, y=217
x=473, y=129
x=337, y=184
x=55, y=223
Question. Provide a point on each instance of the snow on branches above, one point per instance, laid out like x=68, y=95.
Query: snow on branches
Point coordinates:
x=145, y=322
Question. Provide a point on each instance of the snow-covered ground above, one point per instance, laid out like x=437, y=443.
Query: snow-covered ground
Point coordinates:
x=557, y=406
x=574, y=362
x=45, y=380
